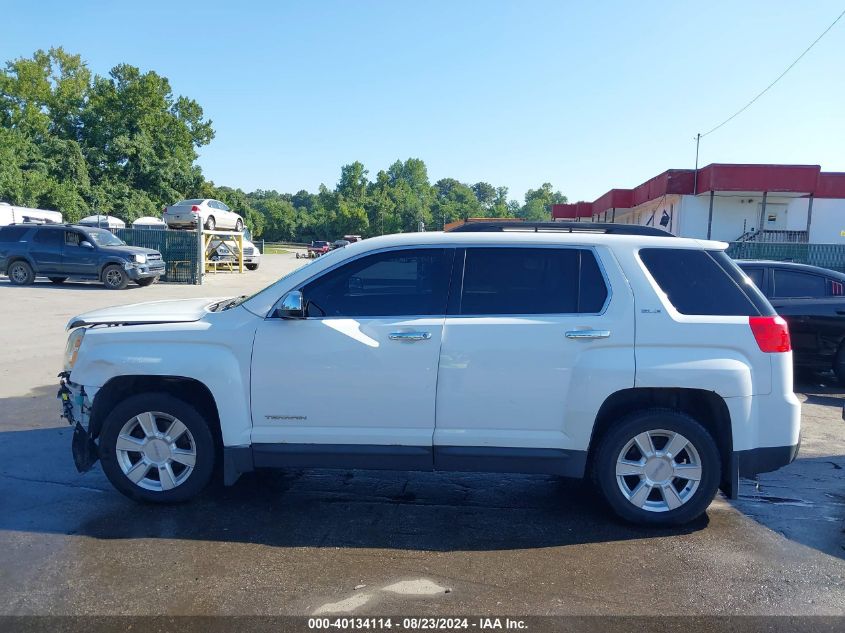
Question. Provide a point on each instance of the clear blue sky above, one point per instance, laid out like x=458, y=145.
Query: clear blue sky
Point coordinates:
x=585, y=95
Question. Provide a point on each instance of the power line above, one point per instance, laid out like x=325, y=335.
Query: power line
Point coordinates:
x=766, y=89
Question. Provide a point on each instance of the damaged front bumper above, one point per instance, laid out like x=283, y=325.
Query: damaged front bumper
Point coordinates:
x=76, y=409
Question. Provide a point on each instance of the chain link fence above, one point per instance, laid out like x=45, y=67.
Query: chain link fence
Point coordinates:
x=825, y=255
x=178, y=248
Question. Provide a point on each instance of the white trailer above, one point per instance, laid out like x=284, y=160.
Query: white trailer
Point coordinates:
x=10, y=214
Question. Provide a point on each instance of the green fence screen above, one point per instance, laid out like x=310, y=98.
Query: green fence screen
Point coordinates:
x=177, y=248
x=825, y=255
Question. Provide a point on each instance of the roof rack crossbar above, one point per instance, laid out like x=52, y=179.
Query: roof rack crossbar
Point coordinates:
x=563, y=227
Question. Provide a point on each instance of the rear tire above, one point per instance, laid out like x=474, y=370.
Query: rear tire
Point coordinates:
x=21, y=273
x=147, y=281
x=239, y=225
x=671, y=480
x=114, y=277
x=157, y=448
x=210, y=223
x=57, y=280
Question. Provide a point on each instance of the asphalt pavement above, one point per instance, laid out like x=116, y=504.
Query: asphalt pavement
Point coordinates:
x=363, y=542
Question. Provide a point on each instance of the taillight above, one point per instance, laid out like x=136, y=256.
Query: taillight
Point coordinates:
x=771, y=333
x=195, y=209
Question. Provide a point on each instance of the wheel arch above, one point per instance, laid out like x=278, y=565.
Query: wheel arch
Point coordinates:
x=111, y=261
x=21, y=258
x=707, y=407
x=189, y=390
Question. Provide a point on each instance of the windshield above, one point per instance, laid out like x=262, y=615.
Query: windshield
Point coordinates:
x=105, y=238
x=184, y=203
x=320, y=243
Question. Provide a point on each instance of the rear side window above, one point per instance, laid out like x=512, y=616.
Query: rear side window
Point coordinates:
x=703, y=283
x=12, y=234
x=52, y=237
x=793, y=283
x=531, y=281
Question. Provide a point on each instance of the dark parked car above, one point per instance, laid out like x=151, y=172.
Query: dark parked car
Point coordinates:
x=812, y=300
x=66, y=251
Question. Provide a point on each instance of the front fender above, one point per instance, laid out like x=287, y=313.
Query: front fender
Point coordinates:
x=186, y=350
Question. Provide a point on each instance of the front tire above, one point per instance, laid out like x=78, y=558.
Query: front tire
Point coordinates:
x=658, y=467
x=239, y=225
x=21, y=273
x=252, y=266
x=157, y=448
x=114, y=277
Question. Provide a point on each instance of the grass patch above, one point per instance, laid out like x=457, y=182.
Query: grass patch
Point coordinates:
x=274, y=250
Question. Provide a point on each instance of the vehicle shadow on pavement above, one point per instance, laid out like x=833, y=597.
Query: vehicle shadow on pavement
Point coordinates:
x=69, y=286
x=41, y=492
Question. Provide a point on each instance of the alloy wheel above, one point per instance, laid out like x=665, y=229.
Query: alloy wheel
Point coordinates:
x=114, y=277
x=18, y=273
x=658, y=470
x=156, y=451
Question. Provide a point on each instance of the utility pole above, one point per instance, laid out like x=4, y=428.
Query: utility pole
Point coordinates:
x=695, y=177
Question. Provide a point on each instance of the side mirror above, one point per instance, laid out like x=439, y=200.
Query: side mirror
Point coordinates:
x=86, y=244
x=291, y=307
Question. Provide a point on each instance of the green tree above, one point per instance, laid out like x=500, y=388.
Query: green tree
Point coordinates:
x=538, y=203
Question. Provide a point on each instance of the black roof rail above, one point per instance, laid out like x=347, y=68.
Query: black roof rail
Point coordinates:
x=562, y=227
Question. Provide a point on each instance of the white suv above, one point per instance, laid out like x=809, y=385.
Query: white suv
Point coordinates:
x=645, y=361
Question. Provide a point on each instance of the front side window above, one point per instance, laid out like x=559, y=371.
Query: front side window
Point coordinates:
x=72, y=238
x=792, y=283
x=501, y=281
x=412, y=282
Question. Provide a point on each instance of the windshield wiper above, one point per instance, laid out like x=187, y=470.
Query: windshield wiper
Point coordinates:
x=230, y=303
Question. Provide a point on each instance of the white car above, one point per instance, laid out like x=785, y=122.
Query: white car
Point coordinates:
x=226, y=249
x=645, y=361
x=212, y=214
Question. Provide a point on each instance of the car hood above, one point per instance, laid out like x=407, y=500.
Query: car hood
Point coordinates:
x=173, y=311
x=128, y=250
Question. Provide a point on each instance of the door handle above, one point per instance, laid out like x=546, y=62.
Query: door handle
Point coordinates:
x=588, y=334
x=409, y=336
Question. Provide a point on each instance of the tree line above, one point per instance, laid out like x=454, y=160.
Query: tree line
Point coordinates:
x=125, y=145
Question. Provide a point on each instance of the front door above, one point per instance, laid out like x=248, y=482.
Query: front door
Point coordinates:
x=79, y=260
x=353, y=383
x=531, y=350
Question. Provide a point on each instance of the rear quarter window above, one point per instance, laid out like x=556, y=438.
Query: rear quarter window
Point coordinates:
x=11, y=234
x=707, y=283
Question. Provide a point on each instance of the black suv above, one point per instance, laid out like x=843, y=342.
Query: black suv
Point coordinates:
x=63, y=251
x=812, y=300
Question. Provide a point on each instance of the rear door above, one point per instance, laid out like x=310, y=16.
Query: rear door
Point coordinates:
x=535, y=340
x=46, y=250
